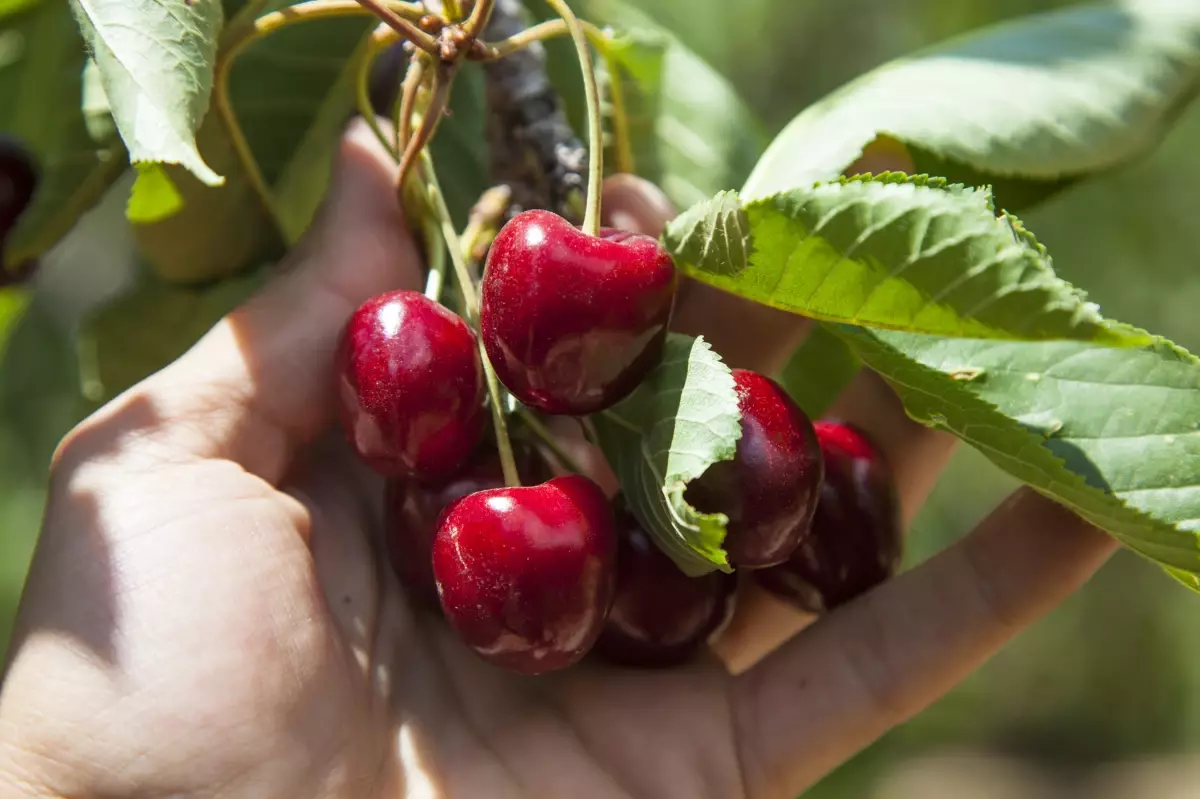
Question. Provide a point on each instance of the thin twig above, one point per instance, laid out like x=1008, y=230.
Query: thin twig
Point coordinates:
x=543, y=31
x=402, y=26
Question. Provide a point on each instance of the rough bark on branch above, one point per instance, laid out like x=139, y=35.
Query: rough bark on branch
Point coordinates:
x=534, y=150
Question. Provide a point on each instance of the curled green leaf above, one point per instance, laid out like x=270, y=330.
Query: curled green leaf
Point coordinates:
x=681, y=420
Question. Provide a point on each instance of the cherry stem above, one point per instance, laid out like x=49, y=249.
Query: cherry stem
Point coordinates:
x=240, y=36
x=380, y=40
x=466, y=287
x=475, y=23
x=452, y=9
x=591, y=217
x=543, y=31
x=430, y=120
x=547, y=437
x=401, y=25
x=435, y=246
x=413, y=79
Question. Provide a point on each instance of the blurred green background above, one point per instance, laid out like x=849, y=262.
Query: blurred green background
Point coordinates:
x=1100, y=699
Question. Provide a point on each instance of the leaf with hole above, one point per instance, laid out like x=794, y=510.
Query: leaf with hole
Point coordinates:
x=890, y=251
x=680, y=421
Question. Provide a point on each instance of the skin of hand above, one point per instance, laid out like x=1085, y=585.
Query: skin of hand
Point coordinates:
x=208, y=614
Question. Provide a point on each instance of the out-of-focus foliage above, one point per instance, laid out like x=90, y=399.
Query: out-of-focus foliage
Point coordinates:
x=1113, y=674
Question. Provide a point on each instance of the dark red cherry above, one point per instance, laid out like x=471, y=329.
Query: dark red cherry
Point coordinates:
x=856, y=542
x=572, y=323
x=411, y=512
x=526, y=574
x=660, y=616
x=383, y=82
x=18, y=179
x=769, y=490
x=411, y=386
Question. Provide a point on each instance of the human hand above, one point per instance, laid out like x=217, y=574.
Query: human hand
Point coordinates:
x=208, y=613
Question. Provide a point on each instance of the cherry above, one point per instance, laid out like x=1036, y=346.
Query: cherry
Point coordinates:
x=572, y=323
x=383, y=82
x=769, y=490
x=526, y=575
x=18, y=179
x=411, y=512
x=411, y=386
x=856, y=540
x=660, y=616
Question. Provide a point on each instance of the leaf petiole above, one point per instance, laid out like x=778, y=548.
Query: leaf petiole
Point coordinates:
x=591, y=218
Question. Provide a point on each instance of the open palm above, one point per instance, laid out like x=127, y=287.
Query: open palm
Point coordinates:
x=208, y=614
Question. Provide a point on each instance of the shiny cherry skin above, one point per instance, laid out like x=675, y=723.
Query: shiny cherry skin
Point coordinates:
x=571, y=322
x=660, y=617
x=411, y=386
x=526, y=575
x=856, y=540
x=411, y=511
x=769, y=490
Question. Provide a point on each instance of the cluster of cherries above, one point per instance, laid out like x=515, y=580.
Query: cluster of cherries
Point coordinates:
x=535, y=577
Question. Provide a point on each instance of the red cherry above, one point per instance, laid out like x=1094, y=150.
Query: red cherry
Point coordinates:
x=572, y=323
x=856, y=540
x=411, y=512
x=526, y=574
x=411, y=386
x=660, y=616
x=769, y=490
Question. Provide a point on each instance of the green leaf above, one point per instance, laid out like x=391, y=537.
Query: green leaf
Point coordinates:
x=292, y=92
x=681, y=420
x=10, y=7
x=818, y=371
x=1027, y=105
x=1112, y=434
x=890, y=251
x=40, y=106
x=153, y=197
x=156, y=63
x=151, y=325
